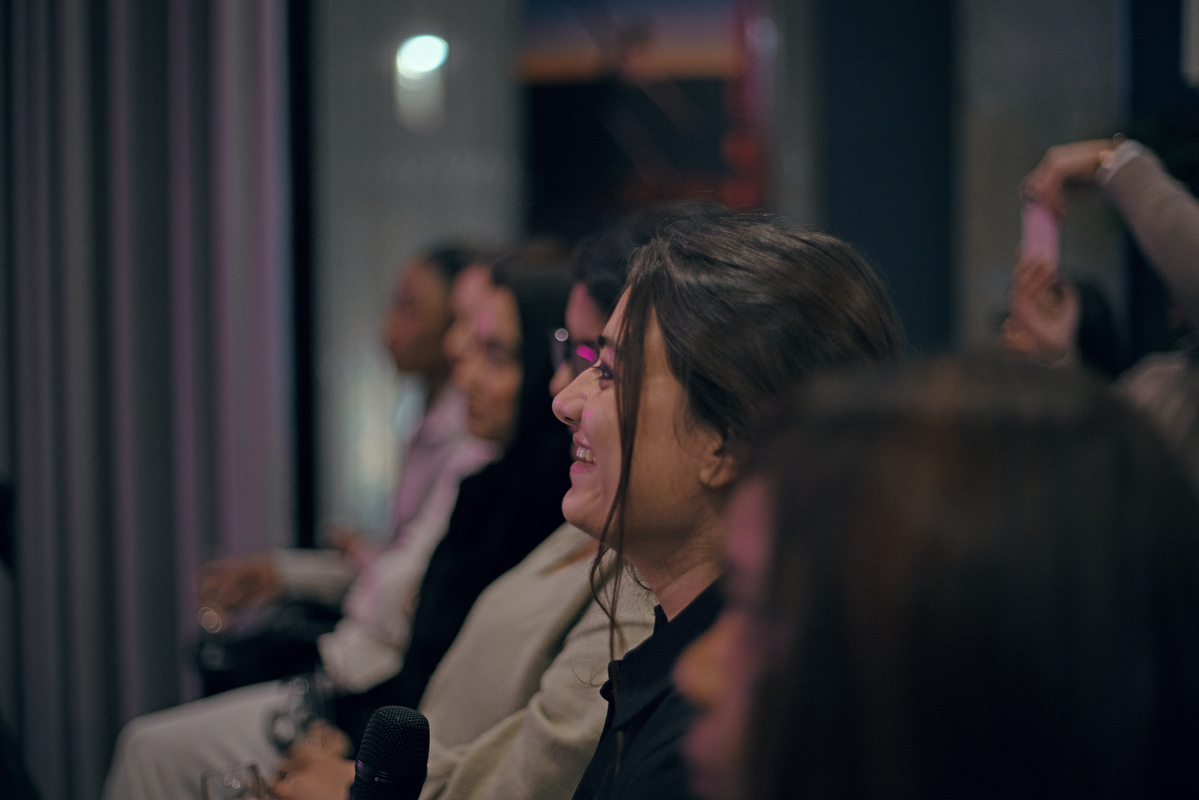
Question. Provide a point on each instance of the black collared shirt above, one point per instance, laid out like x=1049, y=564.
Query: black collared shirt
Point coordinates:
x=638, y=755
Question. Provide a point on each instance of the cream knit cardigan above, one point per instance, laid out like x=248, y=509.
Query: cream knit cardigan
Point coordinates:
x=514, y=708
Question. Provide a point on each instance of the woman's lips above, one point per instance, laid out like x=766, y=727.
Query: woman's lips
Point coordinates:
x=584, y=459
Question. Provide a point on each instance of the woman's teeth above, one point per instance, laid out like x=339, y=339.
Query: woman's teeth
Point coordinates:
x=583, y=454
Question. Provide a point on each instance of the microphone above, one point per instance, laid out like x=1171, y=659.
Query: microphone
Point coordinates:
x=394, y=757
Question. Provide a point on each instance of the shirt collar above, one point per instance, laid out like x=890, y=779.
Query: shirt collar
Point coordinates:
x=644, y=674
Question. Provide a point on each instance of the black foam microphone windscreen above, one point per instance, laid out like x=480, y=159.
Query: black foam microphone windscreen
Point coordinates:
x=394, y=757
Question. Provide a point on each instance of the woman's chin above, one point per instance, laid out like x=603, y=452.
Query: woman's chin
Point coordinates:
x=581, y=514
x=488, y=431
x=476, y=428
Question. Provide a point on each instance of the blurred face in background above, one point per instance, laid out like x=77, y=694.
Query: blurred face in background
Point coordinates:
x=417, y=320
x=718, y=671
x=489, y=369
x=584, y=324
x=466, y=295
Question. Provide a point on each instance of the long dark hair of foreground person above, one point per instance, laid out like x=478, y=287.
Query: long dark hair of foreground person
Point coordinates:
x=746, y=307
x=984, y=583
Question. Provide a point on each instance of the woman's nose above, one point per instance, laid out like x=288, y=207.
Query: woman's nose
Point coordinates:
x=463, y=371
x=568, y=405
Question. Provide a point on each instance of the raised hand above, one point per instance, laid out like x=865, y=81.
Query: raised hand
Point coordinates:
x=324, y=778
x=1043, y=313
x=1062, y=167
x=230, y=584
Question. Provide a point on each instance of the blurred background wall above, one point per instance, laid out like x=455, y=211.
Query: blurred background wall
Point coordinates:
x=387, y=190
x=1032, y=75
x=205, y=204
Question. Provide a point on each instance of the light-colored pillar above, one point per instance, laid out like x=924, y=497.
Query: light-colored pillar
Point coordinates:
x=798, y=178
x=1031, y=74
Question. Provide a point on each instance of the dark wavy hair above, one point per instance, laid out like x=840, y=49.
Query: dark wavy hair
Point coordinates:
x=601, y=261
x=984, y=582
x=450, y=258
x=746, y=308
x=1100, y=345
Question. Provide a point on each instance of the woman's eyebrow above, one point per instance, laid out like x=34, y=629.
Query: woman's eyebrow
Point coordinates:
x=602, y=341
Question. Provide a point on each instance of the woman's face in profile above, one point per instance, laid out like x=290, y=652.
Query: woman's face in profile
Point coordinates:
x=718, y=671
x=668, y=456
x=417, y=320
x=467, y=294
x=489, y=368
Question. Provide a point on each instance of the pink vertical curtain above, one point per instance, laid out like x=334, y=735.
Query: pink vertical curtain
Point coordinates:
x=149, y=230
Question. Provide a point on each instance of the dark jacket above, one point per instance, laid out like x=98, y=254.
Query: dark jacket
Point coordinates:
x=638, y=754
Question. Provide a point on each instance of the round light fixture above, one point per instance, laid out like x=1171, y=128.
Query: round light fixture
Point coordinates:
x=421, y=54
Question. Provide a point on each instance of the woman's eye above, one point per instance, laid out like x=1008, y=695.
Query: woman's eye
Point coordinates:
x=603, y=371
x=498, y=356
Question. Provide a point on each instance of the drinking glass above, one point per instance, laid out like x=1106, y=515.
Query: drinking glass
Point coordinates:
x=307, y=700
x=234, y=783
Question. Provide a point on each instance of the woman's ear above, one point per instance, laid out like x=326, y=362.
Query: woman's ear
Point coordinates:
x=718, y=469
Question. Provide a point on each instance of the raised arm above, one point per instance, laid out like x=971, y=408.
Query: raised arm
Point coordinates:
x=1162, y=214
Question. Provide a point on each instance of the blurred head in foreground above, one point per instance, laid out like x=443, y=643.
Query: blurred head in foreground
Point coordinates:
x=961, y=579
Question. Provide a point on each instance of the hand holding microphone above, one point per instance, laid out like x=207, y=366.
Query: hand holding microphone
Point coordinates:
x=392, y=764
x=394, y=758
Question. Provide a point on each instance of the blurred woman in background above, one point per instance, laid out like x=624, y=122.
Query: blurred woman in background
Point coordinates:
x=508, y=507
x=502, y=512
x=305, y=586
x=1163, y=217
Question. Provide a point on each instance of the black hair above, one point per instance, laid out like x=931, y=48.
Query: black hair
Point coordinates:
x=601, y=260
x=449, y=260
x=1100, y=346
x=543, y=254
x=541, y=303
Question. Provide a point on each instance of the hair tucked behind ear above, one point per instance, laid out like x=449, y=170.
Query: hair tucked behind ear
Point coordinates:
x=746, y=308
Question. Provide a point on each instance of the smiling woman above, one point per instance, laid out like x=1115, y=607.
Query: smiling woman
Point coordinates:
x=490, y=369
x=501, y=513
x=508, y=507
x=718, y=316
